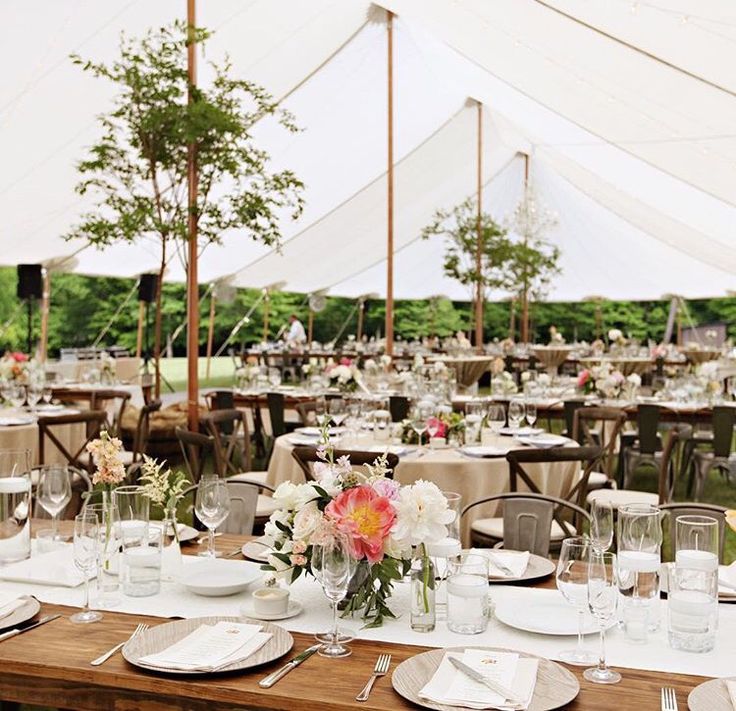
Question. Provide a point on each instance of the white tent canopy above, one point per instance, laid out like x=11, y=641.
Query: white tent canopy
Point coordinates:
x=627, y=110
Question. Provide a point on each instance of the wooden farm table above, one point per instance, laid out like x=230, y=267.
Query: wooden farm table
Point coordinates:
x=50, y=666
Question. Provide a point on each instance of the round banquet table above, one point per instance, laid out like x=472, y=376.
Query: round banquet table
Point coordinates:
x=626, y=366
x=468, y=369
x=472, y=478
x=696, y=356
x=26, y=437
x=552, y=357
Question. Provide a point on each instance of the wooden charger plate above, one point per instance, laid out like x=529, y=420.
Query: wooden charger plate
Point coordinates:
x=555, y=686
x=710, y=696
x=158, y=638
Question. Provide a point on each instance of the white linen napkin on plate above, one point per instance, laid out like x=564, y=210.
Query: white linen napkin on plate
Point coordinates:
x=9, y=603
x=210, y=647
x=727, y=573
x=53, y=568
x=449, y=686
x=516, y=561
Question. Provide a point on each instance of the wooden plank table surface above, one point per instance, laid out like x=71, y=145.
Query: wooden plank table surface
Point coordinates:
x=50, y=666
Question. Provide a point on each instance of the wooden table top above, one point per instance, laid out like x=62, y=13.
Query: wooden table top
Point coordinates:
x=50, y=666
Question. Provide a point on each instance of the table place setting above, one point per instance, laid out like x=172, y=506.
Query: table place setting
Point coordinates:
x=54, y=569
x=505, y=564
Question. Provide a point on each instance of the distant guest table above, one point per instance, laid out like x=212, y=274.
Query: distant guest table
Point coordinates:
x=626, y=365
x=25, y=436
x=552, y=357
x=472, y=478
x=696, y=356
x=468, y=369
x=127, y=370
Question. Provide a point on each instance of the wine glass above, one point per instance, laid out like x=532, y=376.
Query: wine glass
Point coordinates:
x=338, y=410
x=54, y=492
x=321, y=414
x=531, y=413
x=16, y=396
x=212, y=506
x=46, y=395
x=601, y=525
x=572, y=582
x=86, y=536
x=274, y=377
x=516, y=413
x=495, y=418
x=419, y=416
x=602, y=599
x=332, y=566
x=33, y=396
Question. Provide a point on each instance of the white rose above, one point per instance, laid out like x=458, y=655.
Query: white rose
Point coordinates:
x=525, y=376
x=305, y=522
x=285, y=495
x=305, y=493
x=615, y=334
x=634, y=379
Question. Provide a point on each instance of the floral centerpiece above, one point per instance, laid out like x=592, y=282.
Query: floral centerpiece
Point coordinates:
x=246, y=375
x=382, y=520
x=450, y=425
x=616, y=338
x=504, y=384
x=602, y=380
x=107, y=369
x=164, y=489
x=555, y=337
x=17, y=367
x=344, y=375
x=708, y=377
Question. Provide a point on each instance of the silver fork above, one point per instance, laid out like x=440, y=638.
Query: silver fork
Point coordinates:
x=381, y=668
x=669, y=699
x=104, y=657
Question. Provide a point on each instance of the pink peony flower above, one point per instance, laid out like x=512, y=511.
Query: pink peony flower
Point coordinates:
x=386, y=487
x=583, y=378
x=437, y=426
x=346, y=361
x=366, y=518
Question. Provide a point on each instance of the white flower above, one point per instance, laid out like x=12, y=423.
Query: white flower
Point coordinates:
x=396, y=549
x=439, y=366
x=544, y=380
x=306, y=522
x=615, y=335
x=343, y=373
x=634, y=379
x=305, y=493
x=421, y=514
x=385, y=360
x=418, y=361
x=525, y=376
x=272, y=530
x=285, y=496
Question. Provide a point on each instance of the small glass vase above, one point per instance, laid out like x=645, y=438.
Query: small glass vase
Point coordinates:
x=423, y=613
x=110, y=541
x=171, y=561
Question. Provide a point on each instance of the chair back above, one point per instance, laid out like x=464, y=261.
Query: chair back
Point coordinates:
x=527, y=519
x=196, y=449
x=276, y=414
x=723, y=422
x=587, y=456
x=668, y=466
x=648, y=423
x=54, y=430
x=143, y=429
x=612, y=419
x=570, y=407
x=220, y=400
x=306, y=457
x=682, y=508
x=307, y=413
x=243, y=505
x=113, y=404
x=81, y=484
x=229, y=429
x=147, y=387
x=399, y=407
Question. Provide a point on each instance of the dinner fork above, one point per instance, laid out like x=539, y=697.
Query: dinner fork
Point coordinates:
x=381, y=669
x=104, y=657
x=669, y=699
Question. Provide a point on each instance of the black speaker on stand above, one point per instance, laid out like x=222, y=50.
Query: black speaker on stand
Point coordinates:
x=147, y=294
x=30, y=287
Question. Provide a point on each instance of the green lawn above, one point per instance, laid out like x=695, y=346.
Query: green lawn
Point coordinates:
x=174, y=370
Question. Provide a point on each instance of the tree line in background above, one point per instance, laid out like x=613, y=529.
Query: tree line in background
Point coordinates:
x=82, y=306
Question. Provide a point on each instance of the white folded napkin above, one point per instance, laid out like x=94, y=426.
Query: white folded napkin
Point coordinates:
x=9, y=603
x=53, y=568
x=487, y=450
x=727, y=573
x=516, y=561
x=449, y=686
x=731, y=686
x=210, y=647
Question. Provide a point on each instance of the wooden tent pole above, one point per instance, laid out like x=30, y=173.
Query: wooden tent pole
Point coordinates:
x=266, y=315
x=390, y=174
x=525, y=285
x=310, y=328
x=479, y=291
x=192, y=277
x=139, y=333
x=210, y=330
x=512, y=318
x=361, y=312
x=45, y=306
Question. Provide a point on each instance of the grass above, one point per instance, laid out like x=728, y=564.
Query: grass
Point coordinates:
x=174, y=370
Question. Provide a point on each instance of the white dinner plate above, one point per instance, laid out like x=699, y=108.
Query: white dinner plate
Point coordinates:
x=396, y=449
x=258, y=549
x=545, y=441
x=292, y=611
x=301, y=441
x=316, y=431
x=484, y=452
x=550, y=615
x=22, y=614
x=16, y=420
x=218, y=578
x=521, y=431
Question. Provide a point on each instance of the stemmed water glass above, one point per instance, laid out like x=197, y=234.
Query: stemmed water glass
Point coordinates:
x=212, y=506
x=601, y=525
x=531, y=413
x=473, y=419
x=572, y=582
x=516, y=413
x=274, y=377
x=495, y=418
x=333, y=566
x=33, y=396
x=419, y=416
x=46, y=395
x=16, y=395
x=321, y=414
x=86, y=535
x=338, y=410
x=54, y=492
x=602, y=599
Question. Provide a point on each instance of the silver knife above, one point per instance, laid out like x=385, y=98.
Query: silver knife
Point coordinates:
x=16, y=631
x=492, y=685
x=271, y=679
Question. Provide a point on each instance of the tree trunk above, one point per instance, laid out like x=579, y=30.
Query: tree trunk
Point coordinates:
x=157, y=326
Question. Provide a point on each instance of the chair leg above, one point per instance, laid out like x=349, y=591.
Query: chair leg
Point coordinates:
x=702, y=471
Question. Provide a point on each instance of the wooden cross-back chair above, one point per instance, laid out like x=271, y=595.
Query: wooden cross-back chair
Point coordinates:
x=113, y=404
x=305, y=457
x=229, y=430
x=601, y=427
x=48, y=429
x=196, y=449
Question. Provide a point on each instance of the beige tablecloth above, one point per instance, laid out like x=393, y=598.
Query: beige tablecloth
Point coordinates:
x=698, y=356
x=626, y=366
x=473, y=479
x=468, y=369
x=551, y=357
x=26, y=437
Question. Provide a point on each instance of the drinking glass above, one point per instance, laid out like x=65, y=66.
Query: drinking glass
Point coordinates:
x=601, y=525
x=338, y=410
x=16, y=395
x=86, y=535
x=516, y=412
x=572, y=582
x=54, y=492
x=692, y=604
x=381, y=425
x=495, y=418
x=212, y=506
x=444, y=550
x=333, y=566
x=697, y=542
x=474, y=410
x=419, y=417
x=141, y=562
x=321, y=413
x=46, y=395
x=602, y=598
x=15, y=505
x=531, y=413
x=468, y=603
x=133, y=506
x=33, y=396
x=108, y=552
x=274, y=377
